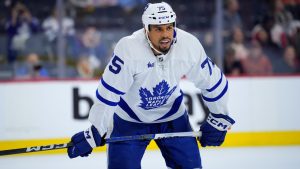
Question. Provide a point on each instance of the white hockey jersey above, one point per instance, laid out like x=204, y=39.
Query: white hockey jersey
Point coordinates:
x=141, y=87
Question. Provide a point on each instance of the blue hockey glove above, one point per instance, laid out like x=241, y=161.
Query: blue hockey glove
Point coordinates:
x=214, y=129
x=84, y=142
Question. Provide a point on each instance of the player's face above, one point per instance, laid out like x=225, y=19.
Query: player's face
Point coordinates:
x=161, y=36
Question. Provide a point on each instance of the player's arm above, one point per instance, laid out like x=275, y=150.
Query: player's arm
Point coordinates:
x=115, y=82
x=214, y=87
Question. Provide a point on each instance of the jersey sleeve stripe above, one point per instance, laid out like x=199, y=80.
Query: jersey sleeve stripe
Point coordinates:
x=107, y=102
x=174, y=107
x=110, y=88
x=216, y=85
x=218, y=97
x=123, y=105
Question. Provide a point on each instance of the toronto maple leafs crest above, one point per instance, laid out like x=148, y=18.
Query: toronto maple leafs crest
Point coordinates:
x=159, y=97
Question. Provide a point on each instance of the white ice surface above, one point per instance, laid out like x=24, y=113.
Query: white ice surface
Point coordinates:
x=212, y=158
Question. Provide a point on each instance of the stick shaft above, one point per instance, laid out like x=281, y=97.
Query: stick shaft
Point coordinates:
x=35, y=149
x=108, y=140
x=153, y=136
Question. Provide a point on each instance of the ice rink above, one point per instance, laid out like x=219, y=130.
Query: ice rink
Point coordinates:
x=212, y=158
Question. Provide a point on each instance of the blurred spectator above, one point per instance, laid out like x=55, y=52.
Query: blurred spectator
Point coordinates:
x=290, y=64
x=51, y=28
x=262, y=31
x=231, y=18
x=232, y=66
x=241, y=52
x=84, y=69
x=261, y=34
x=282, y=16
x=295, y=37
x=257, y=63
x=32, y=68
x=90, y=45
x=283, y=28
x=19, y=27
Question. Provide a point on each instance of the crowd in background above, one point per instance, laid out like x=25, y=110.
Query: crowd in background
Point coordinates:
x=273, y=45
x=260, y=37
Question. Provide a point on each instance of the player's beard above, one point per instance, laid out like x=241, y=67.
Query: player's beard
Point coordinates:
x=164, y=50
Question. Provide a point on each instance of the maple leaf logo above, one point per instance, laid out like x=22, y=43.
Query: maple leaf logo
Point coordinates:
x=156, y=99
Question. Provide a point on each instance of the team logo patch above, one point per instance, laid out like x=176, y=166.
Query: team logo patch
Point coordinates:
x=150, y=65
x=159, y=97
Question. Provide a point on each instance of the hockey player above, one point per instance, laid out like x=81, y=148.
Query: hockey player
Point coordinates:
x=139, y=94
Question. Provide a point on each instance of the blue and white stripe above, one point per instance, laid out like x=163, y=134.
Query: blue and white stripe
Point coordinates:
x=108, y=94
x=110, y=88
x=217, y=91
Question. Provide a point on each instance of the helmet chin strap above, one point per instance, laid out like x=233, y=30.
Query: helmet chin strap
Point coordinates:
x=150, y=43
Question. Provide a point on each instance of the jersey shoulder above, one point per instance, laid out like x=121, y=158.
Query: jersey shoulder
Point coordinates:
x=186, y=40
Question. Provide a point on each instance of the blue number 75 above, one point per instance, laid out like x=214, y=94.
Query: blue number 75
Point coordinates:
x=208, y=62
x=116, y=63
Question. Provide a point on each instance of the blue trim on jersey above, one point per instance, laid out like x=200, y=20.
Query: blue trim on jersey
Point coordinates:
x=110, y=88
x=128, y=110
x=100, y=98
x=216, y=85
x=218, y=97
x=174, y=107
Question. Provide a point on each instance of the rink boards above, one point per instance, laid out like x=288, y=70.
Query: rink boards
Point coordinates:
x=44, y=112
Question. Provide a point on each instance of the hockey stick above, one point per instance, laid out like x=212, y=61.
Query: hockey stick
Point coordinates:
x=108, y=140
x=35, y=149
x=153, y=136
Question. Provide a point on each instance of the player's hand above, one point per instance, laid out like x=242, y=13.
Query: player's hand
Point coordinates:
x=84, y=142
x=214, y=129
